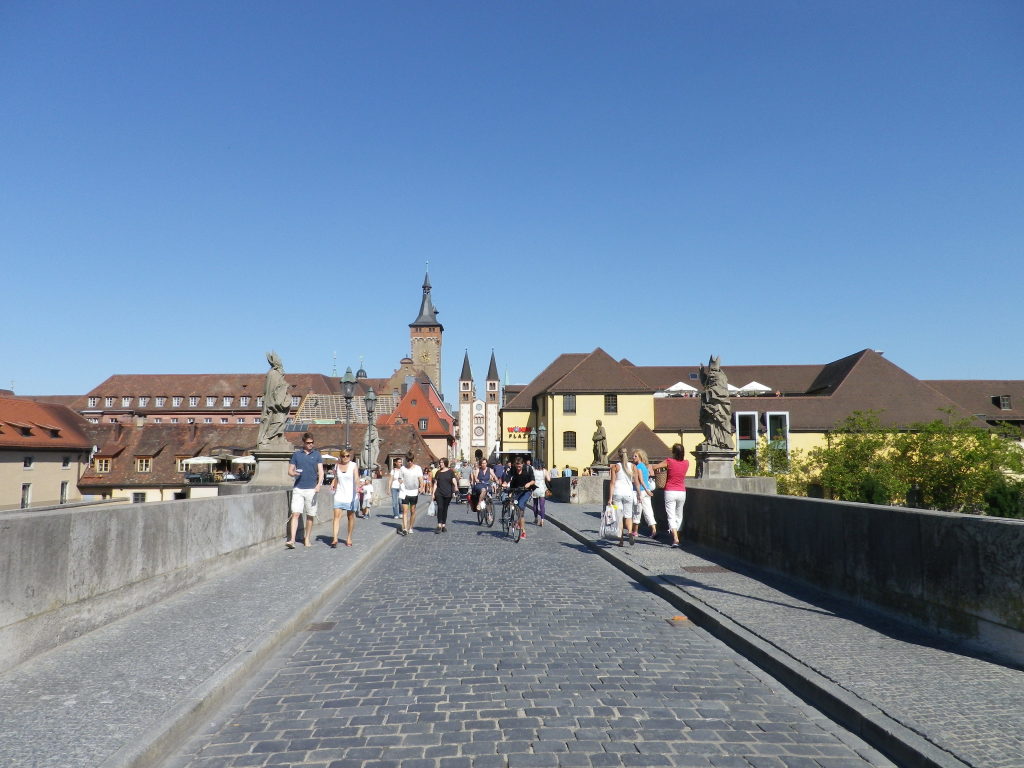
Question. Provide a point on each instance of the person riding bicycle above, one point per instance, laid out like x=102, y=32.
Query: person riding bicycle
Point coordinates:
x=480, y=480
x=520, y=483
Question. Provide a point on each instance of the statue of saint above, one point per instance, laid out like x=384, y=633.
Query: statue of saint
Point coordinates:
x=715, y=408
x=276, y=403
x=600, y=445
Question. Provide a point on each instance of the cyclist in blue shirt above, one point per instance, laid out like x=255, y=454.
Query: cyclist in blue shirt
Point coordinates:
x=521, y=482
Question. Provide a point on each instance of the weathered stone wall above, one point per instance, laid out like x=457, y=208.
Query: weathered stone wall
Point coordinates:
x=958, y=573
x=64, y=572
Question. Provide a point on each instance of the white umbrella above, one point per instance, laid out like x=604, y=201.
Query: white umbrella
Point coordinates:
x=681, y=386
x=328, y=457
x=201, y=460
x=244, y=460
x=755, y=386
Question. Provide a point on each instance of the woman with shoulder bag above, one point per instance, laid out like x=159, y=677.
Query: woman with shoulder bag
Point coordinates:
x=540, y=493
x=443, y=490
x=646, y=492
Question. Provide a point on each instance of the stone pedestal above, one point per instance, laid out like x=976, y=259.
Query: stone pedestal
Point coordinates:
x=715, y=463
x=600, y=470
x=272, y=464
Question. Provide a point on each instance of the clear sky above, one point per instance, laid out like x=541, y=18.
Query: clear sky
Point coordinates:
x=186, y=185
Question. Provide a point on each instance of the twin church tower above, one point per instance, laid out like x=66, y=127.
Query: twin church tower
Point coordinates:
x=478, y=417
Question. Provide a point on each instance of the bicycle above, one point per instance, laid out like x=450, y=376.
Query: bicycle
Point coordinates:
x=506, y=510
x=484, y=516
x=511, y=515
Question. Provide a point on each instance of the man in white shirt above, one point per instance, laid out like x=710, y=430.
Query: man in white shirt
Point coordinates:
x=411, y=477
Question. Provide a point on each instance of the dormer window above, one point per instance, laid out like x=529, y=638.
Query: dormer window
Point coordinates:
x=93, y=402
x=1005, y=403
x=143, y=401
x=211, y=401
x=126, y=402
x=193, y=401
x=423, y=425
x=108, y=402
x=227, y=401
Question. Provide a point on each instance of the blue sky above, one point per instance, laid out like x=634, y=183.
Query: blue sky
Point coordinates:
x=188, y=185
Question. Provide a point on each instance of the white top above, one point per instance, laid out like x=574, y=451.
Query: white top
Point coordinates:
x=411, y=478
x=346, y=477
x=623, y=480
x=396, y=477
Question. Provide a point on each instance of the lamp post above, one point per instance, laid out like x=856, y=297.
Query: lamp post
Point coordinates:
x=542, y=433
x=348, y=389
x=370, y=399
x=532, y=440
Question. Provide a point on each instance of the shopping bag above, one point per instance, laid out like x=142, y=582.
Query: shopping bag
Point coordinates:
x=432, y=509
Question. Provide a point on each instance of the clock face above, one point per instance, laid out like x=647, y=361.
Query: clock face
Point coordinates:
x=479, y=431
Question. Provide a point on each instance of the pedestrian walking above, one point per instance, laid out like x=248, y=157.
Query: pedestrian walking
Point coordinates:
x=346, y=497
x=541, y=477
x=396, y=489
x=675, y=489
x=443, y=490
x=624, y=483
x=643, y=466
x=413, y=483
x=307, y=467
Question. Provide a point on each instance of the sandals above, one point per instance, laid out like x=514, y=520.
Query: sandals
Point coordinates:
x=334, y=544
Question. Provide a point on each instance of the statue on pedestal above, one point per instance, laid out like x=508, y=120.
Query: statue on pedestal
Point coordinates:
x=600, y=445
x=276, y=404
x=715, y=408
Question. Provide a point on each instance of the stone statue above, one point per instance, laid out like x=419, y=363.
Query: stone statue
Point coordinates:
x=276, y=403
x=600, y=445
x=715, y=408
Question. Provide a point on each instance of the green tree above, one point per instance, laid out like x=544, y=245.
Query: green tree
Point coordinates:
x=855, y=464
x=957, y=464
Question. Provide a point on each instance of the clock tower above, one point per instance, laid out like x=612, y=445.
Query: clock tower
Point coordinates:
x=425, y=338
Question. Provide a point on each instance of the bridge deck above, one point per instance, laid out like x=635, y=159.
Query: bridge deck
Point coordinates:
x=126, y=693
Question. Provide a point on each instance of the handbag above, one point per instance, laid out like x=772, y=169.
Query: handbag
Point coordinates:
x=547, y=493
x=432, y=509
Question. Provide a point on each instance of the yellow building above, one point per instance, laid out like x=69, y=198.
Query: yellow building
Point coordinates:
x=653, y=407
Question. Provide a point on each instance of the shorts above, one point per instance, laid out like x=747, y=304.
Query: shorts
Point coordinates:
x=410, y=498
x=304, y=501
x=348, y=506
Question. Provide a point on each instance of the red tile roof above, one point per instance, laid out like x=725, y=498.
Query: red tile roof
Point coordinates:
x=29, y=424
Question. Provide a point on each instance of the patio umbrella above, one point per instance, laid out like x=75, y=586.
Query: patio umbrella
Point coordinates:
x=328, y=457
x=244, y=460
x=201, y=460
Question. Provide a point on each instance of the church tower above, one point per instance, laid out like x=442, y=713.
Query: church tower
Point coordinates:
x=492, y=404
x=425, y=338
x=467, y=405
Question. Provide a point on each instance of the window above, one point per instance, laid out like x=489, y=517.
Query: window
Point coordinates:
x=259, y=401
x=65, y=462
x=143, y=402
x=102, y=465
x=746, y=435
x=568, y=403
x=210, y=401
x=64, y=492
x=569, y=441
x=243, y=401
x=174, y=420
x=778, y=430
x=158, y=420
x=176, y=401
x=227, y=401
x=143, y=464
x=112, y=420
x=611, y=403
x=93, y=402
x=256, y=420
x=126, y=402
x=193, y=401
x=423, y=425
x=295, y=401
x=190, y=420
x=207, y=420
x=27, y=462
x=223, y=420
x=138, y=498
x=1005, y=403
x=26, y=495
x=241, y=420
x=464, y=385
x=160, y=401
x=108, y=402
x=94, y=421
x=179, y=464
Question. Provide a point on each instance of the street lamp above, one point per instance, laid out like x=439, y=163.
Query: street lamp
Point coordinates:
x=542, y=433
x=532, y=440
x=370, y=400
x=348, y=389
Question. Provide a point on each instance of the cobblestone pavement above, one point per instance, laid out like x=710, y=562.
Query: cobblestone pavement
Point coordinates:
x=466, y=650
x=968, y=706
